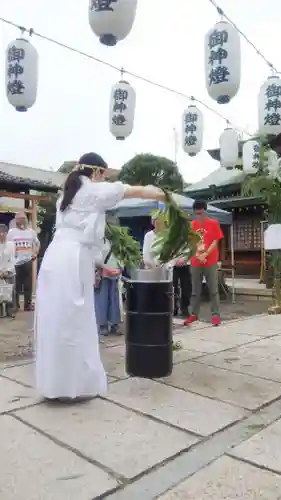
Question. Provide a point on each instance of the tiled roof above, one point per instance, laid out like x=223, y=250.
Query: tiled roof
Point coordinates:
x=36, y=179
x=30, y=178
x=220, y=177
x=24, y=182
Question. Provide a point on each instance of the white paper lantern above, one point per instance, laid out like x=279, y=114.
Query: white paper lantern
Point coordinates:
x=21, y=74
x=269, y=107
x=122, y=110
x=229, y=148
x=251, y=157
x=112, y=20
x=192, y=130
x=222, y=62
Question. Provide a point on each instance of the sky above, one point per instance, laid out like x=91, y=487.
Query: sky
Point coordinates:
x=166, y=44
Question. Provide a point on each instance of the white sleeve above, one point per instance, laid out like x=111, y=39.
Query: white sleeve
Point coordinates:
x=146, y=250
x=12, y=257
x=108, y=194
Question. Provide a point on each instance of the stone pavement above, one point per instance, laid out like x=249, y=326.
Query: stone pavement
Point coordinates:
x=211, y=430
x=16, y=335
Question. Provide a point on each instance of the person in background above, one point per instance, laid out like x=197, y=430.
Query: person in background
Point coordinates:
x=182, y=286
x=27, y=248
x=205, y=263
x=7, y=264
x=181, y=268
x=149, y=259
x=107, y=297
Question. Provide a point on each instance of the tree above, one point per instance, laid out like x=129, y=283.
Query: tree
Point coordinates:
x=145, y=169
x=265, y=184
x=67, y=166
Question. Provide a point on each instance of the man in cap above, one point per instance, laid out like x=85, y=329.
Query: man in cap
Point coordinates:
x=7, y=264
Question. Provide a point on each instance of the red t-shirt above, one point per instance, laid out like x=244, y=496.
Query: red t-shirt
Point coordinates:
x=209, y=231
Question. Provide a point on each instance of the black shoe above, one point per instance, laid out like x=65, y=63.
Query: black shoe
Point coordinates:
x=185, y=312
x=176, y=312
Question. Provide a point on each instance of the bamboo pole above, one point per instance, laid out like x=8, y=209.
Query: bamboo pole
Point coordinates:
x=34, y=226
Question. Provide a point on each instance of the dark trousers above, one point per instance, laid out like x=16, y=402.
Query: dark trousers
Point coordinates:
x=182, y=287
x=24, y=283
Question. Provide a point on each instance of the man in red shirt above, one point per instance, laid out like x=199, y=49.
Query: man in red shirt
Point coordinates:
x=205, y=262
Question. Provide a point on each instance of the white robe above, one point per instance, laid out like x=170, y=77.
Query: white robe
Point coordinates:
x=68, y=360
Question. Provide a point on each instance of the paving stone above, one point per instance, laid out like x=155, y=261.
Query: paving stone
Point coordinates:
x=211, y=340
x=118, y=438
x=113, y=359
x=262, y=326
x=185, y=354
x=175, y=406
x=228, y=479
x=23, y=374
x=221, y=335
x=263, y=448
x=112, y=341
x=173, y=472
x=231, y=387
x=13, y=395
x=33, y=467
x=261, y=359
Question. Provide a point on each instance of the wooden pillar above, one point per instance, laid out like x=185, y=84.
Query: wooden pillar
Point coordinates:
x=34, y=226
x=223, y=248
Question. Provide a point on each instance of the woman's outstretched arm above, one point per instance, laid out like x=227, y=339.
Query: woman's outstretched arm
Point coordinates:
x=144, y=192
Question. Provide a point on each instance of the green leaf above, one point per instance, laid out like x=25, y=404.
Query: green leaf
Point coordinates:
x=178, y=240
x=264, y=186
x=124, y=247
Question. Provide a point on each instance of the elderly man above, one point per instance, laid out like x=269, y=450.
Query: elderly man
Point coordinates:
x=149, y=259
x=7, y=263
x=27, y=248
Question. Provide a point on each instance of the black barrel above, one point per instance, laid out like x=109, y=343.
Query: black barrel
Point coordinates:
x=149, y=342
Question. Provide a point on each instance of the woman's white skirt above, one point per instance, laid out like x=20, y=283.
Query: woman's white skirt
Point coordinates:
x=68, y=363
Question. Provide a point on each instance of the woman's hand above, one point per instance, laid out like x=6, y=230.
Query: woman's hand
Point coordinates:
x=180, y=263
x=110, y=272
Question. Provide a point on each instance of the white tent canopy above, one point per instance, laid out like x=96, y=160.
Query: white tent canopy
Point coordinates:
x=138, y=207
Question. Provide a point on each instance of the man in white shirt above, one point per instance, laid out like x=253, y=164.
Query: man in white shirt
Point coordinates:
x=27, y=248
x=181, y=268
x=7, y=262
x=149, y=259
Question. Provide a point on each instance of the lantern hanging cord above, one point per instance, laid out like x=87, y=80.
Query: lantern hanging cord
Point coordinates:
x=258, y=52
x=193, y=99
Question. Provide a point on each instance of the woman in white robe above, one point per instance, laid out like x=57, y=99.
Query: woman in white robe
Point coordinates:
x=68, y=363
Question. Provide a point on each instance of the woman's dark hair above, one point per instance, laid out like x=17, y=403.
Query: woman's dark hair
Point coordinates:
x=73, y=181
x=199, y=205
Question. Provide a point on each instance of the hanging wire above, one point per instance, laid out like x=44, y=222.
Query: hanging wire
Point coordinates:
x=123, y=71
x=243, y=35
